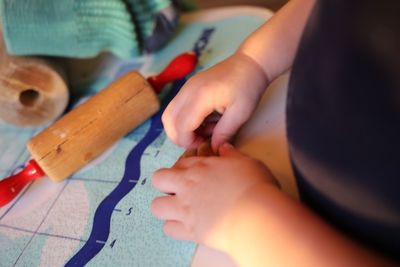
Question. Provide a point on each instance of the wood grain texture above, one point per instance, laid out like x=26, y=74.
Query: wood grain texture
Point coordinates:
x=88, y=130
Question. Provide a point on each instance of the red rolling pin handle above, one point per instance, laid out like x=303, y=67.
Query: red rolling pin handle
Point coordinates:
x=11, y=186
x=178, y=68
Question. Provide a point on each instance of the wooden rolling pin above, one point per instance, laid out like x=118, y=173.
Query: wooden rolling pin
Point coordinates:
x=88, y=130
x=33, y=90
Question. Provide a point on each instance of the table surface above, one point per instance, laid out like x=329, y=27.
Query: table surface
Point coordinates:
x=48, y=223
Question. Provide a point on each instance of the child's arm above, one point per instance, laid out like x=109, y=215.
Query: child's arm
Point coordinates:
x=274, y=45
x=282, y=232
x=232, y=203
x=234, y=86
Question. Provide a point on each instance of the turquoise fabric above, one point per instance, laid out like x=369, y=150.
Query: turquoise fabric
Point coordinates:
x=85, y=28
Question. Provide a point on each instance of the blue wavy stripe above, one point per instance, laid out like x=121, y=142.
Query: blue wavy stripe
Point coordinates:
x=102, y=218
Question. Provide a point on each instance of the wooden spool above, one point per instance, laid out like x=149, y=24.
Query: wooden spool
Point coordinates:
x=33, y=90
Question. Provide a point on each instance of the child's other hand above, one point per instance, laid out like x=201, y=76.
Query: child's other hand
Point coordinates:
x=231, y=89
x=203, y=192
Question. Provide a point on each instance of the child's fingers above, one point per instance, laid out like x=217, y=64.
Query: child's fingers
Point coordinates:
x=230, y=122
x=167, y=208
x=169, y=116
x=228, y=150
x=206, y=129
x=177, y=230
x=174, y=180
x=187, y=154
x=167, y=180
x=190, y=119
x=182, y=120
x=203, y=150
x=168, y=120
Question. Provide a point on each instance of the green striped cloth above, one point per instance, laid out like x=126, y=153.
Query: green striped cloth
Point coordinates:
x=85, y=28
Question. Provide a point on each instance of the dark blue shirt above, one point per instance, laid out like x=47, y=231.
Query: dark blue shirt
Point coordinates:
x=343, y=119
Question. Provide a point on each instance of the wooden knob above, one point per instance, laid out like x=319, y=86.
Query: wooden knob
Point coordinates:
x=86, y=131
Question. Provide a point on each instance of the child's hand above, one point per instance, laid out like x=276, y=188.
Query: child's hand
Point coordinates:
x=231, y=88
x=202, y=194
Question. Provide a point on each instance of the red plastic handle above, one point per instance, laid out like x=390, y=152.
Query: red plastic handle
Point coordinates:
x=11, y=186
x=178, y=68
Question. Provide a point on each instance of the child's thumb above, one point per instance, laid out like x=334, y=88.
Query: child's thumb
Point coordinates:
x=226, y=127
x=227, y=149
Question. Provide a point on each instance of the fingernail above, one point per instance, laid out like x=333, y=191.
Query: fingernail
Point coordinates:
x=227, y=145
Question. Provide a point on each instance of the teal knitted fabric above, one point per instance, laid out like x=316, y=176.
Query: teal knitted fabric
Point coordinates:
x=84, y=28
